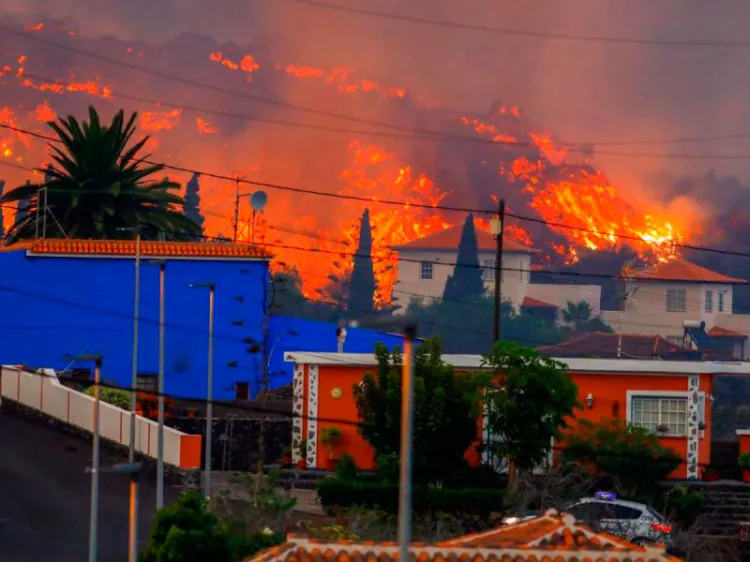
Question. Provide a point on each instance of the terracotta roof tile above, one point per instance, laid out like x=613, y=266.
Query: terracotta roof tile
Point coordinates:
x=531, y=302
x=719, y=332
x=149, y=249
x=448, y=240
x=601, y=344
x=681, y=270
x=552, y=537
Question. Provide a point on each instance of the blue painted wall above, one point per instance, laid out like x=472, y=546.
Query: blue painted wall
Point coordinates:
x=297, y=334
x=57, y=306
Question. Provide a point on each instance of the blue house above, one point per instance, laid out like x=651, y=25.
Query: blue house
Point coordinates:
x=63, y=298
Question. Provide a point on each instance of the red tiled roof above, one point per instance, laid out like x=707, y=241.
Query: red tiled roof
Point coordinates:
x=551, y=537
x=149, y=249
x=681, y=270
x=530, y=302
x=601, y=344
x=449, y=239
x=719, y=332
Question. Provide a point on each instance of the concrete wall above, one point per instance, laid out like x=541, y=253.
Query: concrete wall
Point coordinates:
x=57, y=306
x=42, y=391
x=515, y=277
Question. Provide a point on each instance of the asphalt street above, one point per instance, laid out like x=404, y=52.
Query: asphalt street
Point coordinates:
x=45, y=497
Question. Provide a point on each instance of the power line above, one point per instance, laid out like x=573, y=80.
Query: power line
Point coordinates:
x=527, y=33
x=309, y=110
x=437, y=136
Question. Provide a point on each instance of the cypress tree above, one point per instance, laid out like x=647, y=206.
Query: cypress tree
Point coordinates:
x=193, y=200
x=466, y=282
x=362, y=284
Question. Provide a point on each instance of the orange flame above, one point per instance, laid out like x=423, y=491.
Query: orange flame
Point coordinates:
x=205, y=128
x=45, y=113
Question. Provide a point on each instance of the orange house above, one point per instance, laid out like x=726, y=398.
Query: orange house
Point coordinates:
x=647, y=392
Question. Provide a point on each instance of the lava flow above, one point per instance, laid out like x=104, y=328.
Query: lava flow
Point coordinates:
x=539, y=177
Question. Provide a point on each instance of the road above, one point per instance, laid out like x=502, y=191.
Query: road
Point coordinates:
x=45, y=497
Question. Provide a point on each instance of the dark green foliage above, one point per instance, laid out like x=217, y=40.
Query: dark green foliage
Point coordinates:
x=99, y=183
x=580, y=320
x=362, y=283
x=334, y=492
x=115, y=396
x=22, y=207
x=347, y=468
x=446, y=407
x=683, y=506
x=631, y=455
x=466, y=281
x=193, y=201
x=187, y=532
x=529, y=402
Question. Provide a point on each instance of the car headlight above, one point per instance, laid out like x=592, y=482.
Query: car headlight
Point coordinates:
x=510, y=520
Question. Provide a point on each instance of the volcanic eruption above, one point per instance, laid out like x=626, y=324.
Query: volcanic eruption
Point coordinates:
x=419, y=153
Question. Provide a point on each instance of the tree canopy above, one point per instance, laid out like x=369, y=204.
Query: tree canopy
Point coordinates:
x=466, y=281
x=362, y=282
x=99, y=184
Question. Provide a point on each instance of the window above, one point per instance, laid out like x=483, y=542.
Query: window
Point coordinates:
x=656, y=412
x=488, y=270
x=710, y=300
x=675, y=300
x=425, y=270
x=677, y=340
x=625, y=512
x=721, y=301
x=147, y=382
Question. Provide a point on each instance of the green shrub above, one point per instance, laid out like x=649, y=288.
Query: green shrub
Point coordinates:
x=115, y=396
x=683, y=506
x=347, y=468
x=631, y=455
x=744, y=460
x=335, y=492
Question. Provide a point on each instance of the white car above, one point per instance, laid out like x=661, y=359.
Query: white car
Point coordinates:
x=636, y=522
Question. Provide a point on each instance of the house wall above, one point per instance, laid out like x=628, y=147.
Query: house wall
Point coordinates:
x=561, y=295
x=58, y=306
x=515, y=277
x=334, y=408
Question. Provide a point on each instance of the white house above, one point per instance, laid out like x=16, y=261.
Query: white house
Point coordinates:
x=660, y=299
x=425, y=264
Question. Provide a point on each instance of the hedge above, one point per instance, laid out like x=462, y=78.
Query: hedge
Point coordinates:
x=334, y=492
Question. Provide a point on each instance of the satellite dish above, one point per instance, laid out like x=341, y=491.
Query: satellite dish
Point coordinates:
x=258, y=200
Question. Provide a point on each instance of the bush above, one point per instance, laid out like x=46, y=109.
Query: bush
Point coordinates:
x=115, y=396
x=631, y=455
x=744, y=460
x=683, y=506
x=347, y=468
x=335, y=492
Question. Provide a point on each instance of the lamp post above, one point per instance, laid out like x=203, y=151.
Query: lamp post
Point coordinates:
x=160, y=433
x=131, y=469
x=409, y=329
x=210, y=393
x=136, y=311
x=94, y=521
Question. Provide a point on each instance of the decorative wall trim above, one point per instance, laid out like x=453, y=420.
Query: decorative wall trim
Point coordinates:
x=312, y=415
x=692, y=426
x=298, y=401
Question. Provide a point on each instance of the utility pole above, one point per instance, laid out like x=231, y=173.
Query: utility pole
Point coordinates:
x=134, y=369
x=497, y=229
x=236, y=208
x=265, y=382
x=407, y=423
x=160, y=435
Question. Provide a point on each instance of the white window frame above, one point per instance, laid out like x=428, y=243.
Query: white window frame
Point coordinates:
x=423, y=268
x=720, y=306
x=667, y=395
x=709, y=307
x=671, y=306
x=677, y=340
x=488, y=270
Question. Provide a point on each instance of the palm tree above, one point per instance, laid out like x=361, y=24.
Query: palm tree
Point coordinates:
x=98, y=185
x=579, y=318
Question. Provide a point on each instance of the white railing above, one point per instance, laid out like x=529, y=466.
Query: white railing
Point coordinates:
x=42, y=391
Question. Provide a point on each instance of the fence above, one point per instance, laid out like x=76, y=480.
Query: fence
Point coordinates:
x=42, y=391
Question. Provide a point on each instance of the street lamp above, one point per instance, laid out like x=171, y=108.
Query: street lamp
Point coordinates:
x=408, y=327
x=94, y=523
x=131, y=469
x=160, y=433
x=210, y=394
x=136, y=311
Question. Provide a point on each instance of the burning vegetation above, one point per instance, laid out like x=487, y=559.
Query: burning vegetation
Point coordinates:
x=479, y=159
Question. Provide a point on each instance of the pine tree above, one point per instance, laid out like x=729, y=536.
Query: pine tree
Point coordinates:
x=466, y=282
x=362, y=283
x=193, y=200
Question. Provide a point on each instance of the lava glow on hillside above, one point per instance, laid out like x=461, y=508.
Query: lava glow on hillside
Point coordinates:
x=540, y=177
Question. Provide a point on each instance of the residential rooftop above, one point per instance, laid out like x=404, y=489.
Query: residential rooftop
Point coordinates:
x=148, y=249
x=449, y=239
x=603, y=344
x=685, y=272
